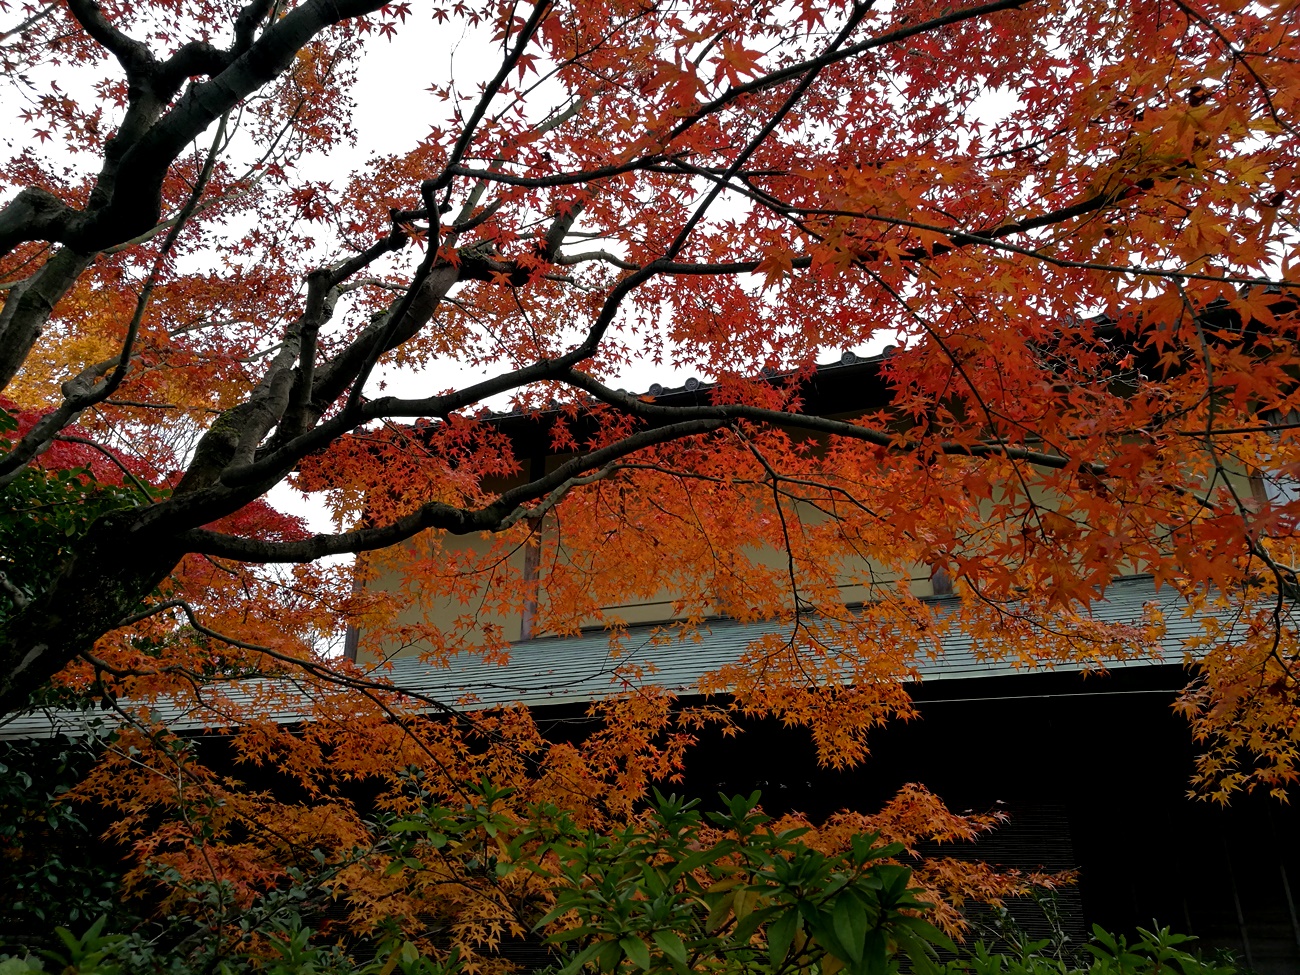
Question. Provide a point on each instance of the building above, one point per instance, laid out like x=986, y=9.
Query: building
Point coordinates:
x=1086, y=756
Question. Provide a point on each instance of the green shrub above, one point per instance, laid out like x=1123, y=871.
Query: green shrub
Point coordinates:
x=677, y=892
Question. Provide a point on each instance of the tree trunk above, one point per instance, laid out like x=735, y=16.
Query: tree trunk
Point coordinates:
x=110, y=574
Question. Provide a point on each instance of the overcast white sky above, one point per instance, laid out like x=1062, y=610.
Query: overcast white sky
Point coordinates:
x=393, y=112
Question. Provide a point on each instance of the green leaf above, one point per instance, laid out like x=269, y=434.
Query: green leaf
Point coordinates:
x=407, y=826
x=608, y=956
x=562, y=936
x=638, y=953
x=849, y=919
x=69, y=941
x=920, y=954
x=744, y=902
x=718, y=914
x=780, y=935
x=929, y=933
x=751, y=923
x=581, y=958
x=671, y=945
x=696, y=860
x=875, y=952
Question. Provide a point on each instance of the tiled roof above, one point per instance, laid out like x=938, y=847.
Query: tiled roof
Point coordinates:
x=577, y=670
x=568, y=670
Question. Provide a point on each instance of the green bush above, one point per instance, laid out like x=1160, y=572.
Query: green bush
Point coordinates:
x=56, y=869
x=678, y=892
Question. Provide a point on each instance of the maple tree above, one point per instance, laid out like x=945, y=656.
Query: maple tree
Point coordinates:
x=1075, y=222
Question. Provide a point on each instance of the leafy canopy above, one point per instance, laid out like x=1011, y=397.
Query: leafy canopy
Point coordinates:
x=1075, y=221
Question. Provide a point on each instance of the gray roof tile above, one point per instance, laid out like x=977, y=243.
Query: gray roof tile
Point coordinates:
x=580, y=669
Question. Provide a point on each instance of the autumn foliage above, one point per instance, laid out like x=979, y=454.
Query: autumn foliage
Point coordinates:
x=1074, y=223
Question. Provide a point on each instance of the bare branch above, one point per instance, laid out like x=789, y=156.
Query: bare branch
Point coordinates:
x=832, y=56
x=557, y=495
x=601, y=255
x=112, y=458
x=41, y=13
x=470, y=127
x=130, y=202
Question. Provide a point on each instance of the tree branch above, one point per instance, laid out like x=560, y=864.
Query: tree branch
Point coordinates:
x=497, y=516
x=79, y=394
x=600, y=255
x=34, y=214
x=131, y=202
x=113, y=459
x=322, y=671
x=802, y=421
x=470, y=127
x=135, y=58
x=831, y=57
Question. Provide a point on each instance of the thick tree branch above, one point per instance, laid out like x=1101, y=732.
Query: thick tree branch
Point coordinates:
x=601, y=255
x=250, y=17
x=136, y=59
x=432, y=280
x=284, y=391
x=34, y=214
x=111, y=569
x=131, y=204
x=280, y=459
x=190, y=60
x=802, y=421
x=28, y=306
